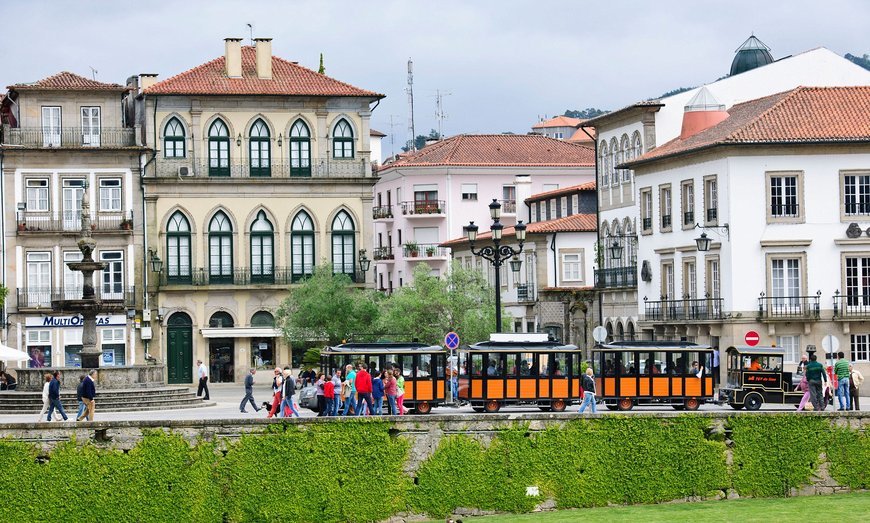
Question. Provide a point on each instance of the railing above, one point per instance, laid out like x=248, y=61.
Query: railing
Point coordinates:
x=683, y=309
x=791, y=307
x=857, y=208
x=69, y=221
x=852, y=306
x=646, y=224
x=46, y=297
x=423, y=207
x=616, y=277
x=382, y=212
x=712, y=215
x=688, y=217
x=525, y=292
x=245, y=276
x=666, y=221
x=509, y=206
x=382, y=253
x=70, y=137
x=424, y=250
x=787, y=210
x=320, y=168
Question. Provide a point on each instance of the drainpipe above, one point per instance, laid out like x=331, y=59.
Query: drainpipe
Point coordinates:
x=597, y=221
x=3, y=247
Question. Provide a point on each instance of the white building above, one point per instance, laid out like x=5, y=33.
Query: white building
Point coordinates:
x=782, y=186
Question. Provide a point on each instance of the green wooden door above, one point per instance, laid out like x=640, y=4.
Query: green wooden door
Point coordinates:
x=179, y=354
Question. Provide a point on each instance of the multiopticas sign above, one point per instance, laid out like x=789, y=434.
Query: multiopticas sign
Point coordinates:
x=72, y=321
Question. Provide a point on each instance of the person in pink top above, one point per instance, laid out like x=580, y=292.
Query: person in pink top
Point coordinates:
x=390, y=390
x=363, y=390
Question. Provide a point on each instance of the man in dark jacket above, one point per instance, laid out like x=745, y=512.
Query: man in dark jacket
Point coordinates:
x=249, y=392
x=54, y=397
x=289, y=391
x=89, y=392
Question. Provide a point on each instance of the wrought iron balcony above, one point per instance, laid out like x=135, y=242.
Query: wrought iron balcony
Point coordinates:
x=382, y=253
x=685, y=309
x=646, y=224
x=319, y=168
x=786, y=210
x=70, y=137
x=508, y=206
x=852, y=306
x=666, y=221
x=689, y=218
x=69, y=221
x=789, y=308
x=712, y=214
x=111, y=298
x=616, y=277
x=423, y=207
x=424, y=250
x=383, y=212
x=525, y=292
x=243, y=276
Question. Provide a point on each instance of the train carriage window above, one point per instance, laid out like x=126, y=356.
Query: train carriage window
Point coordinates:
x=373, y=364
x=670, y=365
x=424, y=370
x=527, y=364
x=576, y=365
x=477, y=364
x=658, y=363
x=559, y=364
x=514, y=365
x=683, y=364
x=495, y=365
x=646, y=363
x=463, y=366
x=694, y=362
x=544, y=362
x=628, y=363
x=609, y=363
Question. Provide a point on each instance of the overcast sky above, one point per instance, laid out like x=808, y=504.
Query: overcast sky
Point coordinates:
x=504, y=63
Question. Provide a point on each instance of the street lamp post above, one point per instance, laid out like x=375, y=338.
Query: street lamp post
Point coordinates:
x=497, y=254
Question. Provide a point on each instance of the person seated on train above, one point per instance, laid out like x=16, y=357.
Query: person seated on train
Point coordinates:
x=697, y=370
x=609, y=369
x=657, y=368
x=556, y=370
x=755, y=365
x=491, y=370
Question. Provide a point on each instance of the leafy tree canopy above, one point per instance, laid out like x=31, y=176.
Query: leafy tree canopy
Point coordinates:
x=420, y=140
x=583, y=114
x=3, y=292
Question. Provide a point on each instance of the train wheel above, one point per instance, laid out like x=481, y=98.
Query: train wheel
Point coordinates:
x=424, y=407
x=692, y=404
x=625, y=404
x=558, y=406
x=753, y=401
x=492, y=406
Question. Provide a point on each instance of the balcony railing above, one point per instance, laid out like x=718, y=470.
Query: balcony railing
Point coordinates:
x=68, y=221
x=70, y=137
x=616, y=277
x=666, y=221
x=425, y=250
x=47, y=297
x=789, y=308
x=383, y=212
x=382, y=253
x=646, y=224
x=712, y=215
x=693, y=309
x=424, y=207
x=509, y=206
x=688, y=217
x=852, y=306
x=787, y=210
x=245, y=276
x=525, y=292
x=319, y=168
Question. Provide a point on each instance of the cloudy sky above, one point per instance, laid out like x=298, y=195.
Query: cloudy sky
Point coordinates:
x=504, y=63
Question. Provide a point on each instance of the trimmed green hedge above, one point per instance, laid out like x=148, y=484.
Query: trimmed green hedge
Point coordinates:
x=355, y=471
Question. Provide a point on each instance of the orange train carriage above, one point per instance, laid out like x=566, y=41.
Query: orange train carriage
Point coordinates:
x=422, y=367
x=630, y=373
x=515, y=369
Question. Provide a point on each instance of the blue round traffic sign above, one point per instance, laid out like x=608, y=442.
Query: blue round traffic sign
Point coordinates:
x=451, y=341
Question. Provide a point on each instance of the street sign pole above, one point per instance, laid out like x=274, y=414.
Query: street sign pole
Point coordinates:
x=451, y=341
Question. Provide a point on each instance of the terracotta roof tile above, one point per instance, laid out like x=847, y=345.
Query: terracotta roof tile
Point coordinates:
x=558, y=121
x=573, y=223
x=588, y=186
x=68, y=82
x=802, y=115
x=288, y=78
x=518, y=150
x=374, y=132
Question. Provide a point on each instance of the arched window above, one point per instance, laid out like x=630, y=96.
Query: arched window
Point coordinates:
x=618, y=237
x=614, y=161
x=178, y=249
x=262, y=319
x=221, y=319
x=173, y=139
x=625, y=152
x=220, y=249
x=342, y=140
x=636, y=145
x=218, y=149
x=343, y=240
x=300, y=149
x=260, y=149
x=301, y=246
x=262, y=250
x=603, y=168
x=630, y=245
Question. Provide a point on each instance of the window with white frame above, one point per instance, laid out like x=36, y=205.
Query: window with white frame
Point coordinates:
x=712, y=285
x=469, y=192
x=37, y=195
x=114, y=353
x=690, y=279
x=857, y=281
x=784, y=195
x=572, y=266
x=856, y=194
x=38, y=279
x=688, y=203
x=785, y=282
x=668, y=280
x=614, y=161
x=792, y=347
x=646, y=210
x=711, y=197
x=39, y=348
x=51, y=123
x=112, y=287
x=860, y=347
x=73, y=281
x=665, y=201
x=603, y=169
x=110, y=194
x=625, y=156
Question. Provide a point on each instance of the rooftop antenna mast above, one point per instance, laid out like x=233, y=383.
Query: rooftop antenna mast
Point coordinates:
x=412, y=142
x=251, y=32
x=392, y=136
x=93, y=73
x=440, y=115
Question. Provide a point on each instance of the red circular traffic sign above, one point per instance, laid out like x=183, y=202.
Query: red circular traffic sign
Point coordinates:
x=752, y=338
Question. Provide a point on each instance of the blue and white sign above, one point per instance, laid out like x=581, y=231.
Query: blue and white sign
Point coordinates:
x=451, y=341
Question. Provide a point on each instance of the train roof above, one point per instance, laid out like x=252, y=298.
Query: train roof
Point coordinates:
x=757, y=351
x=381, y=348
x=522, y=346
x=659, y=345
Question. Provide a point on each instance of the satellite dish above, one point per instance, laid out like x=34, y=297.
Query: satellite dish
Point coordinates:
x=599, y=334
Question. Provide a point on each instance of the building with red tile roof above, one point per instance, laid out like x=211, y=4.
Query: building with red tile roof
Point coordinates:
x=66, y=81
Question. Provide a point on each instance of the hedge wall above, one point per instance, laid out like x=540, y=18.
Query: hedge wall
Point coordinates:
x=354, y=471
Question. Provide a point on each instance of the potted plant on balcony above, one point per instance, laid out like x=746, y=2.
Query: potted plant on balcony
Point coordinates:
x=127, y=224
x=413, y=249
x=430, y=251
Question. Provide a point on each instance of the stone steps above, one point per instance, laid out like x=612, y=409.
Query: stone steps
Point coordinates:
x=163, y=398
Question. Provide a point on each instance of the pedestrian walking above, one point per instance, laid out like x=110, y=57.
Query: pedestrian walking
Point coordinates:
x=329, y=395
x=378, y=392
x=336, y=392
x=277, y=391
x=289, y=392
x=804, y=385
x=841, y=369
x=54, y=397
x=400, y=391
x=89, y=392
x=249, y=393
x=319, y=394
x=855, y=381
x=203, y=380
x=79, y=388
x=349, y=390
x=363, y=383
x=390, y=389
x=588, y=392
x=45, y=401
x=814, y=374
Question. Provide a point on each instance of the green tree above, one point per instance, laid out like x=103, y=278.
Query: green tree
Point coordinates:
x=321, y=69
x=429, y=307
x=583, y=114
x=3, y=292
x=420, y=140
x=326, y=307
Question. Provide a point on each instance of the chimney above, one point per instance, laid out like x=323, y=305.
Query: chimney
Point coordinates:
x=523, y=184
x=264, y=57
x=702, y=112
x=146, y=80
x=233, y=57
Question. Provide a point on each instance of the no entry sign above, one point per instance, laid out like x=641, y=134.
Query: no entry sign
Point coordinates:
x=751, y=338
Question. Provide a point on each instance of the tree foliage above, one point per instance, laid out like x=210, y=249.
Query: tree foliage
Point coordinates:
x=3, y=292
x=583, y=114
x=420, y=140
x=325, y=307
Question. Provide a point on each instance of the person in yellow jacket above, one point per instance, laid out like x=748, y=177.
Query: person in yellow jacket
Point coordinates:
x=855, y=381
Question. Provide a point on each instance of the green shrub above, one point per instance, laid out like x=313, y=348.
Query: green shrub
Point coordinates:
x=849, y=457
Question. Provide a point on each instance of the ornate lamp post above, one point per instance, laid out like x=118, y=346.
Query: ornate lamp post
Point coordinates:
x=497, y=254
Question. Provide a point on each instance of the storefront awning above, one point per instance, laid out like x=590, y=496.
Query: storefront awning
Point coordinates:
x=240, y=332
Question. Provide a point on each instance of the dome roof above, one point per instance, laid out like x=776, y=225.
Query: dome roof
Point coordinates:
x=751, y=54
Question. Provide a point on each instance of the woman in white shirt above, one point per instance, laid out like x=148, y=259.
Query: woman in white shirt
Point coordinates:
x=45, y=397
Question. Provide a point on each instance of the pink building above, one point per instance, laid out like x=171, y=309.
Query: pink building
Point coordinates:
x=424, y=198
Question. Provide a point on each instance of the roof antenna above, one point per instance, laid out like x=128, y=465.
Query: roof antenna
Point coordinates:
x=251, y=32
x=93, y=73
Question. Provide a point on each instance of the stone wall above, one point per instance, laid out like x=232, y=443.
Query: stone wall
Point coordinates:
x=108, y=378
